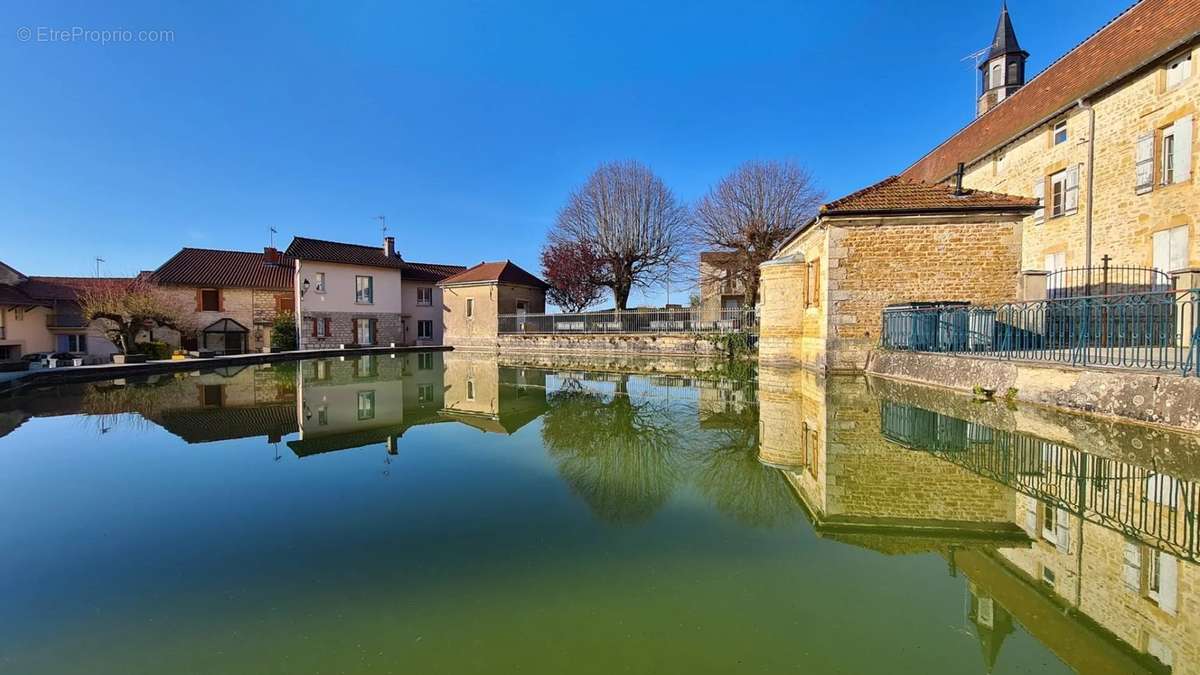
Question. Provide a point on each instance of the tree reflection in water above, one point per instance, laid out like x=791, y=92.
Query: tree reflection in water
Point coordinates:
x=620, y=456
x=731, y=477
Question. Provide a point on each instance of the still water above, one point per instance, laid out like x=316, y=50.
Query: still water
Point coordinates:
x=446, y=513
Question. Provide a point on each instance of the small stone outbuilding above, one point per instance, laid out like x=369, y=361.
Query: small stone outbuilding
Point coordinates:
x=475, y=298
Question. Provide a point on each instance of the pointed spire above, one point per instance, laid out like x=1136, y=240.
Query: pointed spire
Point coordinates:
x=1005, y=40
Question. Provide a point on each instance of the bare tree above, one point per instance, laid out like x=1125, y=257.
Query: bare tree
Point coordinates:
x=126, y=309
x=749, y=213
x=632, y=222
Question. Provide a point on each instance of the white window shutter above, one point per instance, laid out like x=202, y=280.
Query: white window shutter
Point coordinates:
x=1144, y=163
x=1131, y=566
x=1039, y=193
x=1183, y=149
x=1179, y=248
x=1071, y=189
x=1168, y=582
x=1031, y=519
x=1162, y=250
x=1062, y=530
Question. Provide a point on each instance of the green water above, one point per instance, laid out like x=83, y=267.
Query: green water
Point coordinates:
x=436, y=513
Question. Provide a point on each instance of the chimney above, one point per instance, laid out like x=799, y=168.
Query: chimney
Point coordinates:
x=271, y=255
x=958, y=177
x=389, y=246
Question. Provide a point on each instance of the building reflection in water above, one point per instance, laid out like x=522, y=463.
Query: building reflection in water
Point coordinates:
x=1088, y=541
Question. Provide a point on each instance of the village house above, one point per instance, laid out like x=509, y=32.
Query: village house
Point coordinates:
x=350, y=294
x=41, y=314
x=721, y=290
x=476, y=298
x=1104, y=136
x=236, y=296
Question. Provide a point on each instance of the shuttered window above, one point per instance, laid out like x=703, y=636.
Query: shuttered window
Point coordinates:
x=1171, y=249
x=1144, y=164
x=1072, y=190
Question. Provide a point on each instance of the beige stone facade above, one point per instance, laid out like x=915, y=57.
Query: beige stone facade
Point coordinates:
x=255, y=309
x=720, y=289
x=472, y=310
x=824, y=294
x=1101, y=143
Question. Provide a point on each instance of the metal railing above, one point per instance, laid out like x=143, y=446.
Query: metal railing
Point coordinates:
x=1076, y=282
x=689, y=320
x=1156, y=330
x=1138, y=501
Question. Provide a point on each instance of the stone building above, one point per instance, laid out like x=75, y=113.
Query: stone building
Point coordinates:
x=721, y=289
x=476, y=298
x=366, y=295
x=1104, y=136
x=896, y=241
x=236, y=296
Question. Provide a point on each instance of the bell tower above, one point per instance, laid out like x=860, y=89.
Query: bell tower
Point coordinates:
x=1003, y=71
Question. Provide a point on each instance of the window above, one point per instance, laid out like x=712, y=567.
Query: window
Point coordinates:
x=1064, y=192
x=1056, y=261
x=470, y=307
x=470, y=390
x=997, y=75
x=1039, y=193
x=1144, y=164
x=1177, y=152
x=424, y=393
x=322, y=370
x=319, y=328
x=812, y=296
x=424, y=296
x=1171, y=249
x=365, y=366
x=366, y=405
x=1162, y=489
x=211, y=395
x=425, y=329
x=323, y=415
x=1048, y=576
x=364, y=290
x=425, y=361
x=1060, y=132
x=319, y=287
x=1049, y=531
x=364, y=331
x=210, y=300
x=74, y=343
x=1179, y=70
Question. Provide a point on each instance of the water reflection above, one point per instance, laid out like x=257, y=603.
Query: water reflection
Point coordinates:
x=1079, y=534
x=1091, y=550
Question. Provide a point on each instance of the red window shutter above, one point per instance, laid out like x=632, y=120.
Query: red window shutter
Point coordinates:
x=328, y=327
x=374, y=332
x=220, y=300
x=199, y=299
x=314, y=327
x=354, y=330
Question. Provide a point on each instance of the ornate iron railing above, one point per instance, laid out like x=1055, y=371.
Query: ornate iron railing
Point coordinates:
x=689, y=320
x=1078, y=282
x=1156, y=330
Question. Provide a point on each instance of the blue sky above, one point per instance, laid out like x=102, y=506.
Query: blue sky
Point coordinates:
x=466, y=124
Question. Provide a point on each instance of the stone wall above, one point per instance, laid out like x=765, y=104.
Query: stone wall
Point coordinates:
x=650, y=344
x=793, y=321
x=1156, y=398
x=387, y=327
x=874, y=263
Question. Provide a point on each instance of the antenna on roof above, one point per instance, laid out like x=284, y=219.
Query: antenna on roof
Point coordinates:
x=271, y=230
x=98, y=261
x=975, y=57
x=382, y=223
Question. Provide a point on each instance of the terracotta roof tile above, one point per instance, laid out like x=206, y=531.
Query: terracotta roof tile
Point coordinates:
x=49, y=289
x=901, y=196
x=1143, y=33
x=338, y=252
x=502, y=271
x=225, y=269
x=419, y=271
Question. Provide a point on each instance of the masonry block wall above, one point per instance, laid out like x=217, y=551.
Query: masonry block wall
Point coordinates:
x=793, y=313
x=1123, y=222
x=877, y=262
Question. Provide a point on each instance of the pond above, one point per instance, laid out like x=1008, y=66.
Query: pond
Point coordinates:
x=452, y=513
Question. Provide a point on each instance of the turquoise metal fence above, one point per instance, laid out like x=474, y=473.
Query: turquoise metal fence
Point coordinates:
x=1153, y=330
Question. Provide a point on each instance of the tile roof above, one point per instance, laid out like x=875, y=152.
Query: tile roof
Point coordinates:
x=493, y=272
x=896, y=195
x=225, y=269
x=50, y=289
x=419, y=271
x=1143, y=33
x=338, y=252
x=718, y=257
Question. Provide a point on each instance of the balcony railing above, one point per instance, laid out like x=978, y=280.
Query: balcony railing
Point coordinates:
x=1157, y=330
x=58, y=320
x=690, y=320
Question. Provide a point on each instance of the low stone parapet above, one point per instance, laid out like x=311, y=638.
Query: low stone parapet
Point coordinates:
x=595, y=344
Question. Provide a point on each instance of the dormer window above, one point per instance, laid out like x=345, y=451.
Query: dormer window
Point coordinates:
x=997, y=75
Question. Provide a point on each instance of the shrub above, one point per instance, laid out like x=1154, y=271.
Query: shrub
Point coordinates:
x=283, y=332
x=157, y=349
